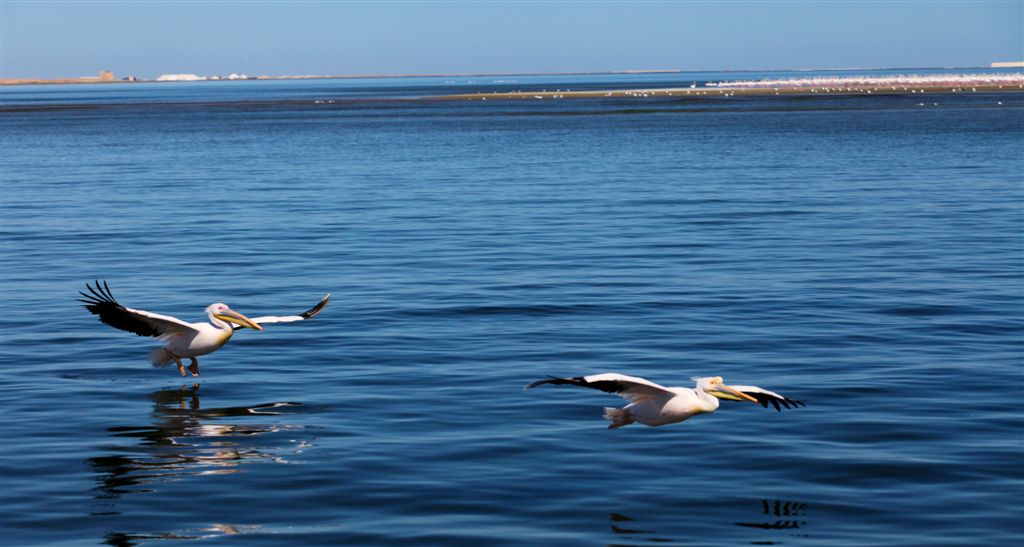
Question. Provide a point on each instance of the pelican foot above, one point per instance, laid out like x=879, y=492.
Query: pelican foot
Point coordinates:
x=193, y=368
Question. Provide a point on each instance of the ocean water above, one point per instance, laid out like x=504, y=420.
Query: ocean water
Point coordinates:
x=862, y=254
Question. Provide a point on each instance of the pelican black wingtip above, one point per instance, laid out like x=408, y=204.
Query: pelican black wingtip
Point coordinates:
x=548, y=380
x=319, y=307
x=99, y=294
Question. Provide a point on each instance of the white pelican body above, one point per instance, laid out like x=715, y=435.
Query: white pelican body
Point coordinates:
x=652, y=404
x=182, y=339
x=195, y=339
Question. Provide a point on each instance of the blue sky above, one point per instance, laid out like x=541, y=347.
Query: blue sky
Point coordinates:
x=53, y=39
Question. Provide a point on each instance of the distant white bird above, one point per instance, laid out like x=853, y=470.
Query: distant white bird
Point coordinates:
x=182, y=339
x=654, y=405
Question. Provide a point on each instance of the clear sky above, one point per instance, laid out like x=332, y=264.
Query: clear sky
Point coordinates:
x=42, y=39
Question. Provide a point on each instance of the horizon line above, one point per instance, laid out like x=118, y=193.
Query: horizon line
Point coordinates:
x=639, y=71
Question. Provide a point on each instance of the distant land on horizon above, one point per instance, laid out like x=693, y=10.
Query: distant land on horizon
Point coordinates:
x=107, y=77
x=132, y=79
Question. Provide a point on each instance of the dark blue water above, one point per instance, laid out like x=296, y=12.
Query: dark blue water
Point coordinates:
x=862, y=254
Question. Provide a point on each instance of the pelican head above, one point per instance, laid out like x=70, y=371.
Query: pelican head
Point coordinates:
x=224, y=313
x=716, y=387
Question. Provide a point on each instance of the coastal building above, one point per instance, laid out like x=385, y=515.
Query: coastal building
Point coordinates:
x=1008, y=64
x=105, y=76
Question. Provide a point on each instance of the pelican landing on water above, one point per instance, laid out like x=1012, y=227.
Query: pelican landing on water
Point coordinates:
x=654, y=405
x=182, y=339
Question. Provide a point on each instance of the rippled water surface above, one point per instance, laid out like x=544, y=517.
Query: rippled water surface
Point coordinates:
x=862, y=254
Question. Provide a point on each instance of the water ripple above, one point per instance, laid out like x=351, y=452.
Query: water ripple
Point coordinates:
x=820, y=247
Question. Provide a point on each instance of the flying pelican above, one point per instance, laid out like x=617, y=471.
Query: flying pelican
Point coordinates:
x=654, y=405
x=182, y=339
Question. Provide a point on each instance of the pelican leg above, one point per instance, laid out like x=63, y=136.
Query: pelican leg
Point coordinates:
x=181, y=366
x=193, y=367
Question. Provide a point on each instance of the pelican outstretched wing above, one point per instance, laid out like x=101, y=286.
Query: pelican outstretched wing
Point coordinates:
x=630, y=388
x=290, y=318
x=763, y=396
x=102, y=303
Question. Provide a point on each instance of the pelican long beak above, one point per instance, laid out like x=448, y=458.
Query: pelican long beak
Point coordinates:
x=736, y=392
x=232, y=316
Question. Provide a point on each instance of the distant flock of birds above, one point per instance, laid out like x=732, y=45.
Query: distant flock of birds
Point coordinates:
x=899, y=80
x=648, y=403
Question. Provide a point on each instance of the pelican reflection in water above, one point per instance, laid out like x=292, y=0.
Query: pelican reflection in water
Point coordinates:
x=775, y=517
x=184, y=441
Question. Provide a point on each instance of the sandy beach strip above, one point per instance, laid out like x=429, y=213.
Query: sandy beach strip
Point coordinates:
x=942, y=83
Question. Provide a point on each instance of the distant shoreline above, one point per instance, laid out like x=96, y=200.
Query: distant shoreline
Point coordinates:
x=843, y=85
x=722, y=92
x=41, y=81
x=29, y=81
x=810, y=85
x=94, y=80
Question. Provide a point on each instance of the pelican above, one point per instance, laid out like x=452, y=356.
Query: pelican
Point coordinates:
x=652, y=404
x=182, y=339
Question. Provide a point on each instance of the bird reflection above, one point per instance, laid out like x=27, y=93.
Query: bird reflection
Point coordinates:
x=624, y=528
x=777, y=515
x=788, y=515
x=122, y=539
x=184, y=440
